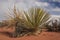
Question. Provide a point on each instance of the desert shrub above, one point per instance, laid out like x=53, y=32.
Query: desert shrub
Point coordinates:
x=2, y=24
x=55, y=26
x=30, y=21
x=59, y=25
x=34, y=19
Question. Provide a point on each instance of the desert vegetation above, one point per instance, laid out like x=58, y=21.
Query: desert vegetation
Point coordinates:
x=53, y=25
x=27, y=22
x=30, y=22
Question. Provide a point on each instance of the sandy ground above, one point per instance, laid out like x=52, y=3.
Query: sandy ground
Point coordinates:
x=42, y=36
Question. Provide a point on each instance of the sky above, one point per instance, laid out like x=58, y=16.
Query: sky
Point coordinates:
x=51, y=6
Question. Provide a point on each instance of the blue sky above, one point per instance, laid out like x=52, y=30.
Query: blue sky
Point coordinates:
x=51, y=6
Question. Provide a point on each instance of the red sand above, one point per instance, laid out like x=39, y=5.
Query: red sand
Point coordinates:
x=42, y=36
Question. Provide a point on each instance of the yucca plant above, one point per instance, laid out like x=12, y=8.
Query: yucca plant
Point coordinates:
x=35, y=18
x=30, y=22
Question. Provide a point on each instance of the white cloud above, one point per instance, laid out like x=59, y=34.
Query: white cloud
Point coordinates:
x=56, y=9
x=55, y=16
x=21, y=5
x=25, y=4
x=41, y=4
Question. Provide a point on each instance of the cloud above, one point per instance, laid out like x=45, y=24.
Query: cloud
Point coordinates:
x=54, y=12
x=53, y=9
x=3, y=0
x=56, y=9
x=41, y=4
x=25, y=3
x=55, y=16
